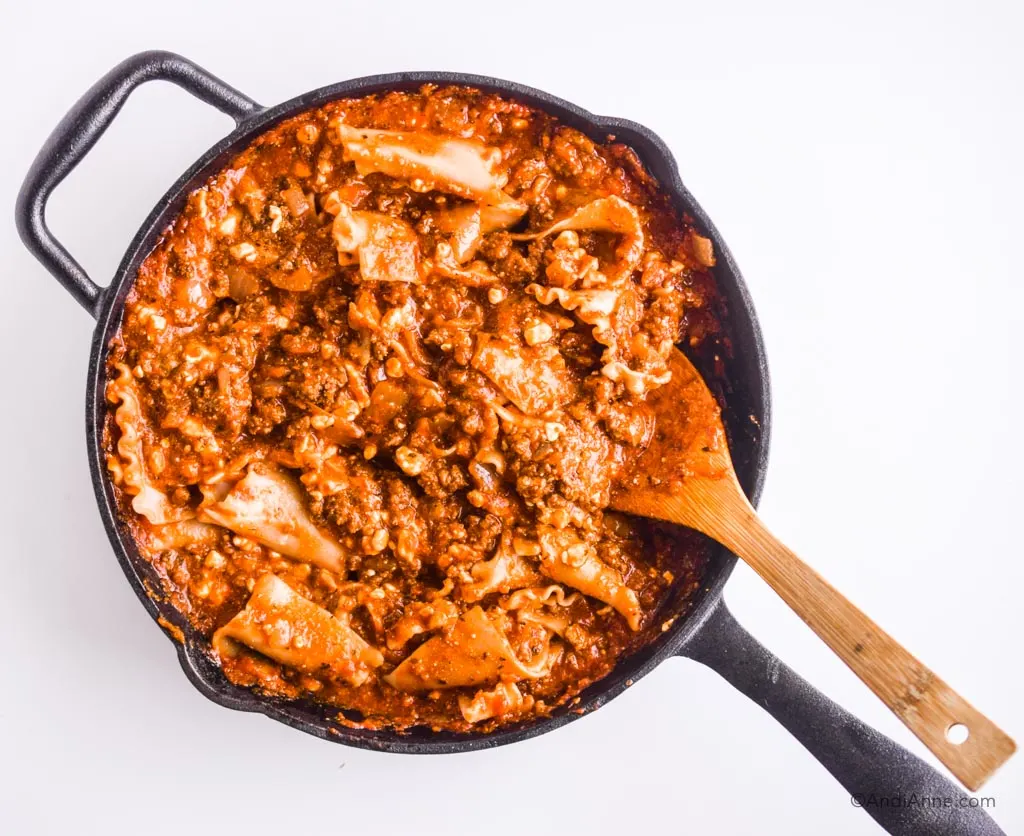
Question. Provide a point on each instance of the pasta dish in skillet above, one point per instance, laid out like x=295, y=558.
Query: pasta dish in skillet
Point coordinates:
x=371, y=392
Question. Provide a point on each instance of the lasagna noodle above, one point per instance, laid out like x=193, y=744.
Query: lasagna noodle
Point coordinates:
x=636, y=383
x=552, y=596
x=447, y=264
x=267, y=506
x=428, y=162
x=598, y=307
x=503, y=698
x=608, y=303
x=472, y=651
x=502, y=573
x=529, y=605
x=421, y=617
x=291, y=630
x=464, y=229
x=387, y=248
x=466, y=225
x=129, y=466
x=534, y=378
x=180, y=535
x=606, y=214
x=575, y=564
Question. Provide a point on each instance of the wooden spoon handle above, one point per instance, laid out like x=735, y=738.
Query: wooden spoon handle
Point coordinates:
x=924, y=702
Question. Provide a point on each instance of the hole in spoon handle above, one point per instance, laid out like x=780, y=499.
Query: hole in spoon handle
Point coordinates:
x=970, y=745
x=957, y=734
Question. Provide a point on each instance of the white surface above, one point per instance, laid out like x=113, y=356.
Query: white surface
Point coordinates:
x=845, y=155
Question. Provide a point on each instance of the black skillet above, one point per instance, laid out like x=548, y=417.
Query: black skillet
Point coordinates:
x=862, y=760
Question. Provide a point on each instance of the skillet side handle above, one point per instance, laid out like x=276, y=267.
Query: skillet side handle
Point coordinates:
x=879, y=775
x=78, y=132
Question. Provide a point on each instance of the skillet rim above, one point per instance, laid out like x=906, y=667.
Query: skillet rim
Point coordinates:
x=194, y=657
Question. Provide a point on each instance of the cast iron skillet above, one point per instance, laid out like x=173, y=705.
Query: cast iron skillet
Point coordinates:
x=861, y=759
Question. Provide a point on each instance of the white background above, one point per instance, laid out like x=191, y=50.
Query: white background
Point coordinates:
x=865, y=165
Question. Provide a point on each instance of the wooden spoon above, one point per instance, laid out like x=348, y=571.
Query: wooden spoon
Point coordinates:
x=686, y=476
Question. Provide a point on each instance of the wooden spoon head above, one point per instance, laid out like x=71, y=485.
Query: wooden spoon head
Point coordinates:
x=688, y=457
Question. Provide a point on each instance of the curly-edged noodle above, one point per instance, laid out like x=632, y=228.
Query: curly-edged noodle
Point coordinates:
x=504, y=698
x=432, y=162
x=636, y=383
x=291, y=630
x=574, y=563
x=267, y=506
x=529, y=605
x=387, y=248
x=596, y=306
x=472, y=651
x=513, y=418
x=128, y=417
x=606, y=214
x=552, y=596
x=128, y=467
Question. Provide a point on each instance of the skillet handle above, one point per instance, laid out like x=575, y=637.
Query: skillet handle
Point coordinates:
x=880, y=776
x=78, y=132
